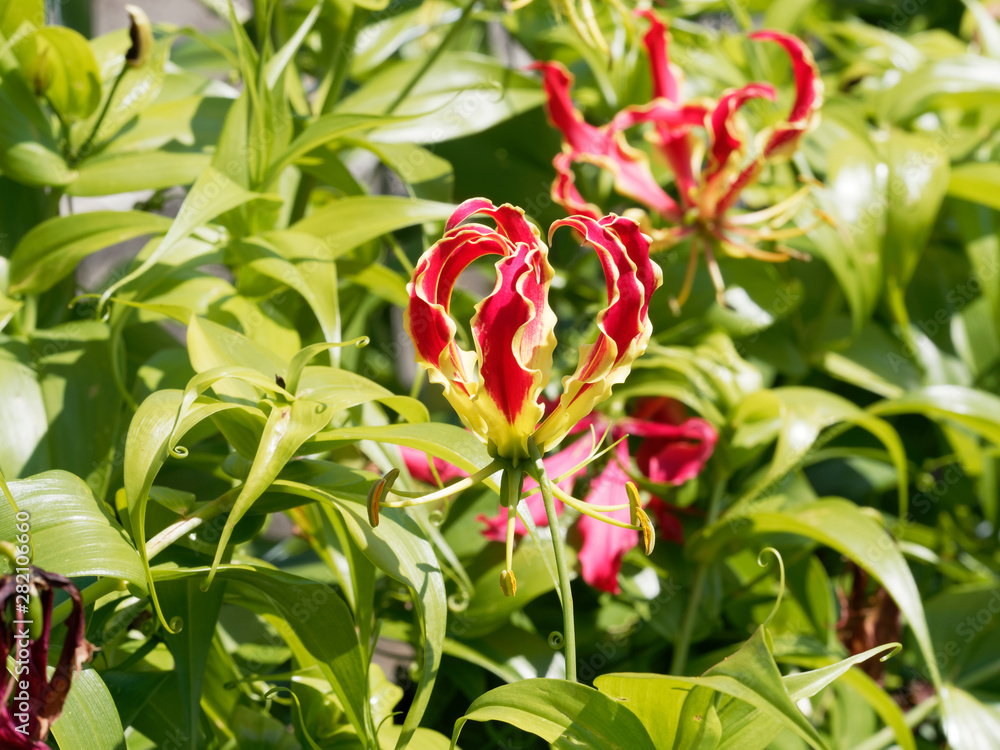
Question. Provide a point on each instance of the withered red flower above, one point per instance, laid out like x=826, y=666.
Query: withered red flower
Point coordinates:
x=31, y=701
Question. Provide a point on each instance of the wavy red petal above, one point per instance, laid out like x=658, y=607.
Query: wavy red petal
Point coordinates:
x=655, y=41
x=724, y=134
x=603, y=147
x=808, y=90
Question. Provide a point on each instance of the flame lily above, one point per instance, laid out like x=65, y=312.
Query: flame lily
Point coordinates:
x=495, y=390
x=707, y=187
x=30, y=700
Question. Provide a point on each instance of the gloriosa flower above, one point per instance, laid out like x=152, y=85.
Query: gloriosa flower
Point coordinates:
x=495, y=390
x=30, y=700
x=708, y=180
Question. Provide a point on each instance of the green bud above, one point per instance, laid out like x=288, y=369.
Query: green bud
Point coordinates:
x=141, y=32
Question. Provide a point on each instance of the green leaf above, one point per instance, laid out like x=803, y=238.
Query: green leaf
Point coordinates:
x=186, y=126
x=60, y=65
x=326, y=130
x=383, y=282
x=341, y=389
x=918, y=178
x=751, y=676
x=989, y=30
x=452, y=444
x=465, y=94
x=969, y=724
x=275, y=67
x=398, y=547
x=14, y=13
x=213, y=193
x=199, y=611
x=111, y=173
x=54, y=383
x=211, y=345
x=426, y=174
x=52, y=249
x=28, y=148
x=313, y=611
x=254, y=730
x=970, y=82
x=978, y=182
x=89, y=719
x=869, y=691
x=423, y=739
x=971, y=408
x=845, y=527
x=855, y=197
x=288, y=426
x=800, y=415
x=344, y=224
x=131, y=90
x=8, y=309
x=285, y=259
x=657, y=700
x=565, y=714
x=71, y=532
x=147, y=447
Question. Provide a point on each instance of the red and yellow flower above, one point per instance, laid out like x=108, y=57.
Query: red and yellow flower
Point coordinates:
x=709, y=177
x=496, y=389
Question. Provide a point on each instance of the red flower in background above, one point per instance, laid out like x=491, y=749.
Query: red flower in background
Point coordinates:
x=707, y=186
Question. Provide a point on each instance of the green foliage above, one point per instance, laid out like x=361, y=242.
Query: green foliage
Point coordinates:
x=196, y=432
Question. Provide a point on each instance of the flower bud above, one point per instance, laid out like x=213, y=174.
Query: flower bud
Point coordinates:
x=141, y=33
x=648, y=537
x=378, y=491
x=508, y=583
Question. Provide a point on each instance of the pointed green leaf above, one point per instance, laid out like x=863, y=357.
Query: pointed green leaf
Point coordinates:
x=89, y=719
x=846, y=528
x=565, y=714
x=288, y=426
x=71, y=532
x=344, y=224
x=52, y=249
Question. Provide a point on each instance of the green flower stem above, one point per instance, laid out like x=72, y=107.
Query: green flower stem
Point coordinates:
x=93, y=592
x=82, y=152
x=185, y=526
x=566, y=594
x=683, y=646
x=453, y=32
